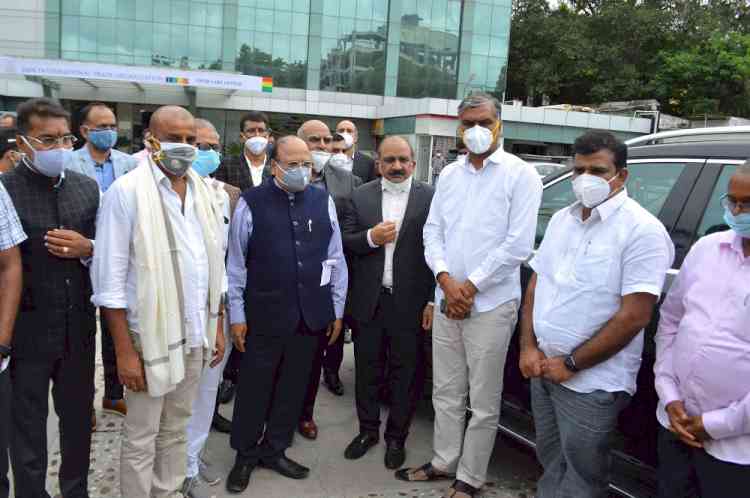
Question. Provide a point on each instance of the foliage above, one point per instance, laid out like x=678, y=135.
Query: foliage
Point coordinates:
x=692, y=55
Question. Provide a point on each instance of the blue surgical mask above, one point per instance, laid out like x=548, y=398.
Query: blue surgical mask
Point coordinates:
x=50, y=162
x=103, y=139
x=207, y=162
x=739, y=223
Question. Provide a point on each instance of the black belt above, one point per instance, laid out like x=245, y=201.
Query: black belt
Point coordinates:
x=386, y=290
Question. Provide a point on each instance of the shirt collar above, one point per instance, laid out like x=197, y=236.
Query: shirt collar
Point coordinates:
x=606, y=209
x=494, y=158
x=397, y=188
x=731, y=240
x=86, y=153
x=250, y=163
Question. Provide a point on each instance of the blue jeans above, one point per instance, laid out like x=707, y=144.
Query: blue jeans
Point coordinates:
x=573, y=432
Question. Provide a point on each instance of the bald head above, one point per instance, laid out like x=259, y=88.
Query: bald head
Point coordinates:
x=316, y=134
x=172, y=123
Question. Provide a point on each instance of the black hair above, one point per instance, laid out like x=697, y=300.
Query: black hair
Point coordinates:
x=255, y=117
x=593, y=141
x=41, y=107
x=84, y=116
x=7, y=140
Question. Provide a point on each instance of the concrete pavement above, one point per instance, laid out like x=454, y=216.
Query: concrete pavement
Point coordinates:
x=512, y=471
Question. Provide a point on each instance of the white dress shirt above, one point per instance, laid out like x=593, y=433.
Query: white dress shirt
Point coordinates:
x=482, y=225
x=395, y=200
x=584, y=268
x=256, y=172
x=114, y=271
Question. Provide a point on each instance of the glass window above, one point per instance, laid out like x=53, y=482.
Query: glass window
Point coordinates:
x=281, y=47
x=89, y=8
x=245, y=18
x=144, y=10
x=348, y=8
x=125, y=33
x=87, y=40
x=161, y=44
x=713, y=218
x=198, y=13
x=71, y=7
x=264, y=20
x=300, y=24
x=126, y=9
x=299, y=49
x=364, y=9
x=282, y=22
x=301, y=6
x=554, y=198
x=264, y=42
x=265, y=4
x=180, y=12
x=70, y=33
x=213, y=44
x=283, y=5
x=143, y=42
x=107, y=8
x=197, y=43
x=482, y=19
x=214, y=16
x=162, y=11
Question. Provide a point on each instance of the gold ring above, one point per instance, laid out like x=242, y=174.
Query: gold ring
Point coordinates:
x=65, y=250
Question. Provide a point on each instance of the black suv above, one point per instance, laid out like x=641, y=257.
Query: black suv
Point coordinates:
x=680, y=179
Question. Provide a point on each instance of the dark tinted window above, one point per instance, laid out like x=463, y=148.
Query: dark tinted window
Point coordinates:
x=713, y=218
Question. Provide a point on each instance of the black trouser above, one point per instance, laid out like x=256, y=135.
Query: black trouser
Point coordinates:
x=233, y=366
x=405, y=373
x=333, y=355
x=5, y=414
x=112, y=388
x=272, y=387
x=688, y=472
x=73, y=394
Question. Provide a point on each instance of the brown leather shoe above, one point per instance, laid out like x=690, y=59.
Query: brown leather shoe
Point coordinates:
x=115, y=405
x=308, y=429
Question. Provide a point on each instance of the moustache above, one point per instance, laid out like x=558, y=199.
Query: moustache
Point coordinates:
x=397, y=173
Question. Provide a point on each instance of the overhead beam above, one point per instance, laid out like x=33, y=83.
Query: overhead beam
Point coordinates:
x=95, y=87
x=138, y=86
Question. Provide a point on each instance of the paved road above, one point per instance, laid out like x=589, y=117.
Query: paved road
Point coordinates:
x=512, y=472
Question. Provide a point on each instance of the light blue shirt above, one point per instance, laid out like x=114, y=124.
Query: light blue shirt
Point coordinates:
x=105, y=172
x=239, y=235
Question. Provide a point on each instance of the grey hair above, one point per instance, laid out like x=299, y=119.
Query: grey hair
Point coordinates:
x=478, y=99
x=204, y=123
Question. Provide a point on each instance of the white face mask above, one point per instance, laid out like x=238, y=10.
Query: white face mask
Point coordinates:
x=478, y=139
x=256, y=145
x=320, y=159
x=342, y=161
x=591, y=190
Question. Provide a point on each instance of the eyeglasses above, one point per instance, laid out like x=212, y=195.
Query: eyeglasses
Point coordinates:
x=102, y=127
x=295, y=165
x=316, y=139
x=49, y=142
x=255, y=131
x=393, y=159
x=204, y=147
x=732, y=205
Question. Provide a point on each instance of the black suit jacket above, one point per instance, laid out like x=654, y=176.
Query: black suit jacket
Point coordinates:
x=236, y=173
x=413, y=281
x=340, y=184
x=364, y=167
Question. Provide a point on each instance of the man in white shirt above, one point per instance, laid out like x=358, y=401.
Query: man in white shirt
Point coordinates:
x=480, y=230
x=158, y=273
x=598, y=274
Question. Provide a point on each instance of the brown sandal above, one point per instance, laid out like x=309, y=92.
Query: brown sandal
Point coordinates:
x=460, y=489
x=430, y=474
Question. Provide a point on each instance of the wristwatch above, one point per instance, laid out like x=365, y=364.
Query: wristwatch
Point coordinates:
x=570, y=364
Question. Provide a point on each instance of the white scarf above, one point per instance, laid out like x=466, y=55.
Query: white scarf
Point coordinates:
x=159, y=293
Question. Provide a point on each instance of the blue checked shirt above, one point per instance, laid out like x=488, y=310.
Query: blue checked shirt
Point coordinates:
x=11, y=231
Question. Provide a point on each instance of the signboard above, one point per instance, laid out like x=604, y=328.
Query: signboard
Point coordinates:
x=55, y=68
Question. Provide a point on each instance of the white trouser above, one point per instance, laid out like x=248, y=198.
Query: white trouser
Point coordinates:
x=203, y=408
x=469, y=359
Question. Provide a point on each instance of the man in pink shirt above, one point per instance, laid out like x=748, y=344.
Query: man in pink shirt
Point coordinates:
x=703, y=362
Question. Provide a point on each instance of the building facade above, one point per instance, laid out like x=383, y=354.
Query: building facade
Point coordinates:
x=394, y=66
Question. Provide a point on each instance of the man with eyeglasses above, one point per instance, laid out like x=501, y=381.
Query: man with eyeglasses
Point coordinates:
x=703, y=361
x=251, y=168
x=100, y=161
x=391, y=298
x=339, y=184
x=54, y=336
x=287, y=288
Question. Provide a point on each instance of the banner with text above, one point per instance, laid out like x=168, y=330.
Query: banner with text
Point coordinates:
x=142, y=75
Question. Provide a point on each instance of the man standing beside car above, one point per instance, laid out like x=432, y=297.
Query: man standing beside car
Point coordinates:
x=703, y=361
x=479, y=231
x=597, y=276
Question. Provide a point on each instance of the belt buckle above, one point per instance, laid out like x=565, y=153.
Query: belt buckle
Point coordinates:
x=387, y=290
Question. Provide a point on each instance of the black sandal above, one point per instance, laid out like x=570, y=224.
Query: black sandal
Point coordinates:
x=429, y=471
x=462, y=487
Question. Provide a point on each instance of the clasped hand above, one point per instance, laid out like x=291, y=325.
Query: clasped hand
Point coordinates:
x=690, y=430
x=459, y=297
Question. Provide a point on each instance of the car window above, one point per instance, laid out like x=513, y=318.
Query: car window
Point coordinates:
x=648, y=183
x=713, y=218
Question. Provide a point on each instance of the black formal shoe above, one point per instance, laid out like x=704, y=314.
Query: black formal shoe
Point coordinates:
x=286, y=467
x=359, y=446
x=227, y=388
x=221, y=424
x=239, y=477
x=395, y=454
x=333, y=383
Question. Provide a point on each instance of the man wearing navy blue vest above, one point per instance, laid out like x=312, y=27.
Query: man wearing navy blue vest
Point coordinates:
x=287, y=287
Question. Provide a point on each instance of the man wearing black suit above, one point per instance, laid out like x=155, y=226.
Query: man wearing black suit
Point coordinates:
x=364, y=165
x=252, y=167
x=390, y=298
x=339, y=184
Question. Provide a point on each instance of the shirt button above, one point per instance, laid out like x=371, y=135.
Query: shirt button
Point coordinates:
x=299, y=285
x=299, y=263
x=295, y=223
x=298, y=242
